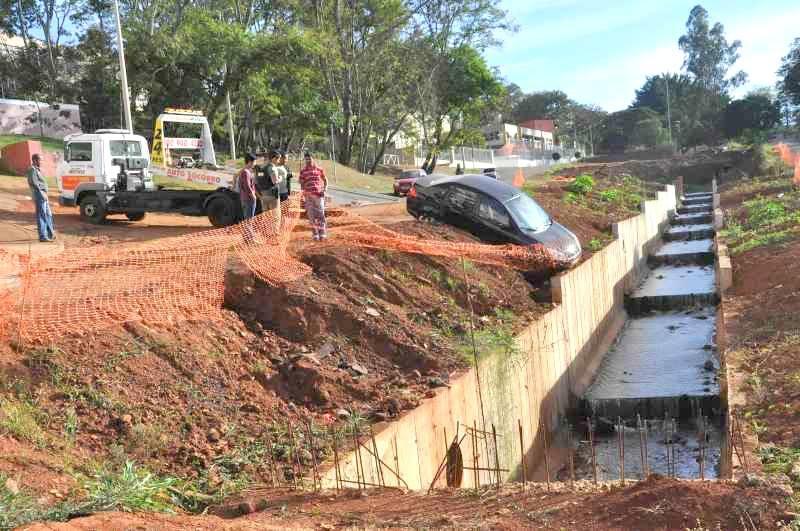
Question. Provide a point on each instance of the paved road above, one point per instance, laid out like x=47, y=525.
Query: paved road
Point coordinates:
x=347, y=197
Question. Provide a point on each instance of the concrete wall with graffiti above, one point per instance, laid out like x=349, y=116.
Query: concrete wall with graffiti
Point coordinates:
x=22, y=117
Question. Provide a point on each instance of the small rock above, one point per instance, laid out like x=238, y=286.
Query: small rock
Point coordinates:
x=435, y=381
x=416, y=374
x=359, y=369
x=342, y=414
x=709, y=366
x=794, y=473
x=326, y=350
x=213, y=435
x=247, y=508
x=250, y=408
x=12, y=486
x=305, y=456
x=393, y=406
x=304, y=349
x=430, y=394
x=485, y=319
x=373, y=312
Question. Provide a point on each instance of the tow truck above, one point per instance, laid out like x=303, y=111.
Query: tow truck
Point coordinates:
x=109, y=172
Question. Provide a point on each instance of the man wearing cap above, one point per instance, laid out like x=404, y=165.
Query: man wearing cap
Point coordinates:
x=38, y=185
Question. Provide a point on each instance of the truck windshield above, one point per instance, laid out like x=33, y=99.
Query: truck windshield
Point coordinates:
x=528, y=214
x=125, y=148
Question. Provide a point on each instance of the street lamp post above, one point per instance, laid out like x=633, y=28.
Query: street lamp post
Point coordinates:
x=123, y=75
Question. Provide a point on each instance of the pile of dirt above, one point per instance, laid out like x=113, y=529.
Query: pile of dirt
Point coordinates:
x=697, y=168
x=369, y=334
x=656, y=504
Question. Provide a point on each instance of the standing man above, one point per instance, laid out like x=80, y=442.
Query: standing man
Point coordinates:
x=247, y=194
x=38, y=185
x=286, y=186
x=314, y=183
x=275, y=178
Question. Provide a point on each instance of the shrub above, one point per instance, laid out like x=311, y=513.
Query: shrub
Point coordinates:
x=129, y=489
x=610, y=196
x=763, y=212
x=583, y=184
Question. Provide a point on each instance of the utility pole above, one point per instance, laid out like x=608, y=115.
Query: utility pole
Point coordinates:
x=669, y=115
x=231, y=133
x=123, y=74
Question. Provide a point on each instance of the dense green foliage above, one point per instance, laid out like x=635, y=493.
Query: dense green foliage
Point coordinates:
x=295, y=70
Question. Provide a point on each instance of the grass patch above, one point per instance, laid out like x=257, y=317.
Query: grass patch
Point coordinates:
x=129, y=488
x=495, y=337
x=20, y=508
x=22, y=419
x=763, y=221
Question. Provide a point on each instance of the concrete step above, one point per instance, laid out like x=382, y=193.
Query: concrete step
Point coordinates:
x=684, y=252
x=695, y=195
x=701, y=231
x=696, y=200
x=706, y=208
x=692, y=219
x=670, y=287
x=662, y=363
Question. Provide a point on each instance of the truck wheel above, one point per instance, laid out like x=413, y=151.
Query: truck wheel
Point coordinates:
x=221, y=211
x=93, y=210
x=135, y=216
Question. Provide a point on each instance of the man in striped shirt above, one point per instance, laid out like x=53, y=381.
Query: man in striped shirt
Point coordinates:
x=314, y=183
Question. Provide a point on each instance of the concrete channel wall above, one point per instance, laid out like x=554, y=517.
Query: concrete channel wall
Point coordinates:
x=553, y=363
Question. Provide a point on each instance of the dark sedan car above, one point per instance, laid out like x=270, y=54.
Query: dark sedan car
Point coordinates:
x=492, y=210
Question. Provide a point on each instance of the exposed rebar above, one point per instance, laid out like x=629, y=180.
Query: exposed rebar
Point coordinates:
x=522, y=455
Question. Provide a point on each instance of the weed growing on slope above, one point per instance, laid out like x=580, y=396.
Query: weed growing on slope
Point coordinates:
x=19, y=508
x=22, y=420
x=129, y=488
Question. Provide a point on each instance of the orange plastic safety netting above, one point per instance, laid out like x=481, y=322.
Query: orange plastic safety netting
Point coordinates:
x=181, y=278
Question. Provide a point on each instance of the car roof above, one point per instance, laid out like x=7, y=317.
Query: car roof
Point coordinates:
x=500, y=190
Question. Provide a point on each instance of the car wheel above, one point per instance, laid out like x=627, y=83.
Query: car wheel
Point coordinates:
x=221, y=212
x=93, y=210
x=135, y=216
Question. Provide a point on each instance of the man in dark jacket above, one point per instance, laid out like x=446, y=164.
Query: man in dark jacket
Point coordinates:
x=38, y=185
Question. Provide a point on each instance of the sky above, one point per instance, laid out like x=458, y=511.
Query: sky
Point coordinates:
x=600, y=51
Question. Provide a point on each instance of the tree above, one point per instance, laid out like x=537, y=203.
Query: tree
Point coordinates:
x=789, y=83
x=696, y=112
x=757, y=112
x=550, y=104
x=708, y=54
x=639, y=126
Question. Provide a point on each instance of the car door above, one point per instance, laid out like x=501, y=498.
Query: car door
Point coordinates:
x=494, y=221
x=460, y=204
x=82, y=164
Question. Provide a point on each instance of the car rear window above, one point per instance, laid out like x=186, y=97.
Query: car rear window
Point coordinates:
x=527, y=213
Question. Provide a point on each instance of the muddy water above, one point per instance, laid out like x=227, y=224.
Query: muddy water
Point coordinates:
x=684, y=452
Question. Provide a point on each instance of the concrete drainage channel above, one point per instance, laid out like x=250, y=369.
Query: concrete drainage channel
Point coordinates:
x=630, y=344
x=657, y=391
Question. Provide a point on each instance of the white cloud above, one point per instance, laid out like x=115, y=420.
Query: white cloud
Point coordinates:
x=765, y=40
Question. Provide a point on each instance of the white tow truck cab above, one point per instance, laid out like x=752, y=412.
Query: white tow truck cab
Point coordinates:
x=107, y=172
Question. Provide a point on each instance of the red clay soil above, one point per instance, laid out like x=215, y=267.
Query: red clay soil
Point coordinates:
x=763, y=319
x=370, y=332
x=655, y=504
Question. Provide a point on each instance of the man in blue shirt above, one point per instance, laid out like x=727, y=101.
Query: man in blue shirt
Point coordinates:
x=38, y=185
